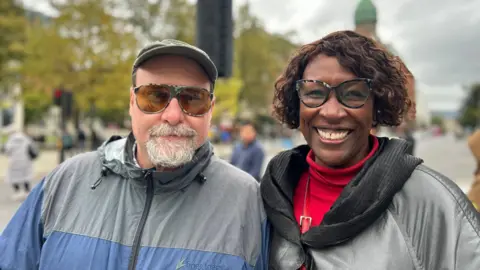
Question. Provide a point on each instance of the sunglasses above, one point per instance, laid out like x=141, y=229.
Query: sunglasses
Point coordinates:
x=351, y=94
x=154, y=98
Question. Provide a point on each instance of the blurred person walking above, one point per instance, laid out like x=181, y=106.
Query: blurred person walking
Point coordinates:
x=81, y=141
x=21, y=151
x=248, y=155
x=405, y=132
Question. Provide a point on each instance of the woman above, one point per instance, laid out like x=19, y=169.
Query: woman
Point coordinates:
x=350, y=200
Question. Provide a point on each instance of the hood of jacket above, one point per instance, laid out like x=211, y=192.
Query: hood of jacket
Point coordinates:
x=362, y=201
x=116, y=155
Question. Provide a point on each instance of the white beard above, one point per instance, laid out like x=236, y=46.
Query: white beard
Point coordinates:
x=166, y=153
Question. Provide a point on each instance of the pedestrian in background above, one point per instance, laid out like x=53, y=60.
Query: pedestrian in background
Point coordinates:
x=248, y=155
x=81, y=140
x=21, y=151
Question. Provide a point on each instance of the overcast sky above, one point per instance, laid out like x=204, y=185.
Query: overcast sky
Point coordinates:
x=438, y=39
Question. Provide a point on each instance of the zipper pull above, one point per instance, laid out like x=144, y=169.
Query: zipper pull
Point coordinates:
x=147, y=175
x=103, y=174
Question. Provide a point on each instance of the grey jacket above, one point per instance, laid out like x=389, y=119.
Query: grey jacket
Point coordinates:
x=429, y=224
x=207, y=215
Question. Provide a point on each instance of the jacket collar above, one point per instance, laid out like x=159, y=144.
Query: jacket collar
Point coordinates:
x=362, y=201
x=117, y=157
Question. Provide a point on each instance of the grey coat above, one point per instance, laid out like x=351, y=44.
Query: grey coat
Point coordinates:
x=20, y=166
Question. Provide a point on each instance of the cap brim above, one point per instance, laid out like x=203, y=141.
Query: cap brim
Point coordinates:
x=195, y=55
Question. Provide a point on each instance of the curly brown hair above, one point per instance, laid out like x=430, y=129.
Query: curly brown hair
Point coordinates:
x=358, y=54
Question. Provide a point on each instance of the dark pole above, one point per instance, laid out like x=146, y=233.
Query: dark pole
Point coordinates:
x=63, y=124
x=93, y=135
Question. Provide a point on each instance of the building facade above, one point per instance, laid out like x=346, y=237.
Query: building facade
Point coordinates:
x=366, y=24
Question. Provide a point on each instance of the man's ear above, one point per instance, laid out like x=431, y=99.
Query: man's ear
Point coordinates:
x=132, y=101
x=213, y=103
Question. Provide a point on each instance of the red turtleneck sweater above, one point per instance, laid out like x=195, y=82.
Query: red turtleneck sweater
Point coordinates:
x=325, y=186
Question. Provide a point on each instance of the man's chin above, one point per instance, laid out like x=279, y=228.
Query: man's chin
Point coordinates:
x=169, y=156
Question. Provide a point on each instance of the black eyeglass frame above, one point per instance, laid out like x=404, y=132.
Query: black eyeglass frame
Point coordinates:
x=334, y=89
x=174, y=91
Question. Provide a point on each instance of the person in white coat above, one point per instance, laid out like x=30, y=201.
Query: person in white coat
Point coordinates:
x=21, y=152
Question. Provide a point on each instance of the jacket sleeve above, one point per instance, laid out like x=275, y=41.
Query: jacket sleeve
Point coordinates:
x=440, y=225
x=21, y=241
x=262, y=262
x=465, y=236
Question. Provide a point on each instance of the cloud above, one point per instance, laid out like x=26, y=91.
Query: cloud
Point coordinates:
x=438, y=39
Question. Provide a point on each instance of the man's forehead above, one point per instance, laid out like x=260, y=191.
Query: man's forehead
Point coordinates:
x=172, y=69
x=169, y=60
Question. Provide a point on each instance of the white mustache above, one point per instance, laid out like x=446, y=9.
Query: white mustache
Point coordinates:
x=168, y=130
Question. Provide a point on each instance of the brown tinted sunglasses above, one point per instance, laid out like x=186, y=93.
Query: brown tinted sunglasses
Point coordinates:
x=154, y=98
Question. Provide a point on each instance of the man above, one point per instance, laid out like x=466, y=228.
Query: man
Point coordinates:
x=404, y=131
x=81, y=140
x=158, y=199
x=248, y=155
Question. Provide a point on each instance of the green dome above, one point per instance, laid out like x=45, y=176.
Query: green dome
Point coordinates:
x=365, y=13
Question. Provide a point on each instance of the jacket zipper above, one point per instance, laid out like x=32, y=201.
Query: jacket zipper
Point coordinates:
x=141, y=225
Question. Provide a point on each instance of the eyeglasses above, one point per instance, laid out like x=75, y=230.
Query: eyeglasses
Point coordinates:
x=351, y=94
x=154, y=98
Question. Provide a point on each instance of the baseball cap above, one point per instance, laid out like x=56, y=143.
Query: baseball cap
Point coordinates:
x=175, y=47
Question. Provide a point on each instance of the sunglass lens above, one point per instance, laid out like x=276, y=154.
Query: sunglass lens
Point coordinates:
x=153, y=98
x=194, y=101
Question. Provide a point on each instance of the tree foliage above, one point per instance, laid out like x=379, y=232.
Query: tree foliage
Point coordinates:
x=160, y=19
x=12, y=24
x=84, y=49
x=470, y=110
x=261, y=57
x=90, y=45
x=226, y=98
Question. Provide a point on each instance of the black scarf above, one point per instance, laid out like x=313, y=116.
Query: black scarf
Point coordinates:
x=362, y=201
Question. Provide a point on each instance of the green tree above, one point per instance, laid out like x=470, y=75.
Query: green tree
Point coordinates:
x=261, y=57
x=470, y=111
x=12, y=25
x=161, y=19
x=226, y=98
x=36, y=103
x=85, y=49
x=438, y=121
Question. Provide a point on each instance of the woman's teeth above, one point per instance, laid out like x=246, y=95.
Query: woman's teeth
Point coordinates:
x=333, y=135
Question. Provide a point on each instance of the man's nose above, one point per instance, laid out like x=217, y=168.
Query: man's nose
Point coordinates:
x=173, y=114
